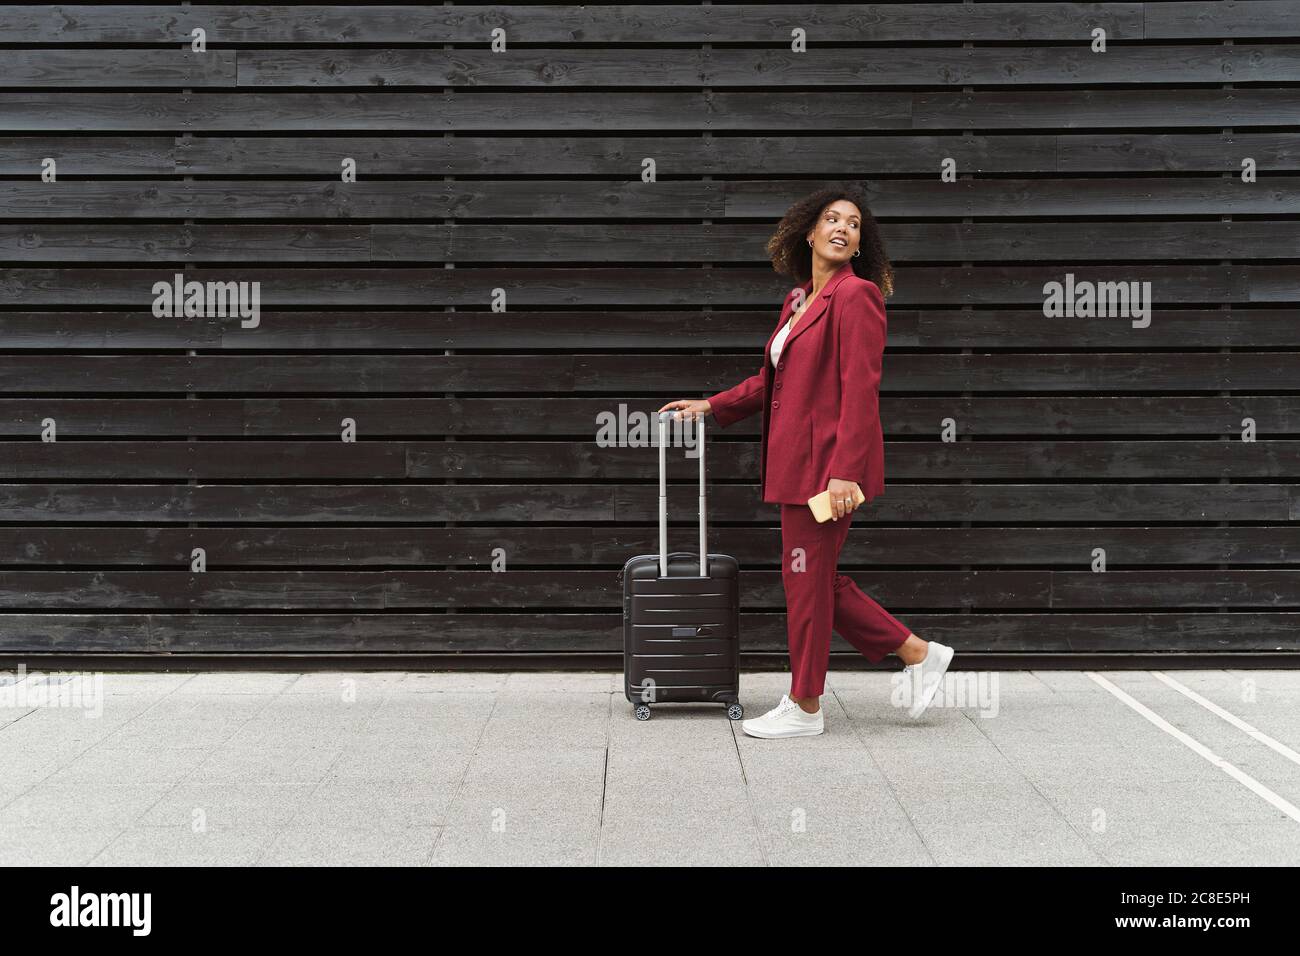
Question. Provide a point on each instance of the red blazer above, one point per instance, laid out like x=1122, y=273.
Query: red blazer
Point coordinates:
x=821, y=417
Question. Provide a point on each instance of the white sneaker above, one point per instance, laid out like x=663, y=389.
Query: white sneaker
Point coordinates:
x=786, y=719
x=926, y=678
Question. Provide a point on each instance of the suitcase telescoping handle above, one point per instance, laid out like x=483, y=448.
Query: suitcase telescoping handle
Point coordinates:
x=664, y=418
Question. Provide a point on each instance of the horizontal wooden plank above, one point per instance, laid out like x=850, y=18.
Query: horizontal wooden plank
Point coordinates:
x=362, y=200
x=1125, y=372
x=81, y=155
x=1102, y=109
x=868, y=546
x=88, y=155
x=642, y=111
x=537, y=416
x=523, y=200
x=777, y=154
x=909, y=461
x=683, y=331
x=1238, y=19
x=496, y=460
x=661, y=287
x=152, y=242
x=1173, y=152
x=1133, y=371
x=244, y=112
x=180, y=634
x=410, y=503
x=731, y=242
x=685, y=23
x=684, y=153
x=1010, y=373
x=179, y=68
x=1110, y=196
x=827, y=69
x=484, y=590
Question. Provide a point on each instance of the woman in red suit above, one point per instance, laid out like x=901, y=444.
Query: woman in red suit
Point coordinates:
x=818, y=389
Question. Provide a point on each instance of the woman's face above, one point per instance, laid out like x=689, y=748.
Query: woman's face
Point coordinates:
x=838, y=232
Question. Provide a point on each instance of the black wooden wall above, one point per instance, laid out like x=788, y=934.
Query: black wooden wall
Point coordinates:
x=522, y=170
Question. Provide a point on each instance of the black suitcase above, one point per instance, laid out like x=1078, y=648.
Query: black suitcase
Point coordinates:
x=681, y=623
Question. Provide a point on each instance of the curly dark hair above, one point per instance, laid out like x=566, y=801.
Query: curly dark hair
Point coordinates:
x=791, y=255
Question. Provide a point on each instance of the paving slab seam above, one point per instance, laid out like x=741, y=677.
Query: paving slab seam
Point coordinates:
x=193, y=770
x=749, y=796
x=77, y=756
x=433, y=850
x=1046, y=799
x=883, y=776
x=277, y=832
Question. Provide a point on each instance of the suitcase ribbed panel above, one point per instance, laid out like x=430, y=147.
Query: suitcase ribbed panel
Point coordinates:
x=681, y=632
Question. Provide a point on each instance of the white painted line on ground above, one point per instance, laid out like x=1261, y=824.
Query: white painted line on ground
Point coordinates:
x=1245, y=779
x=1233, y=719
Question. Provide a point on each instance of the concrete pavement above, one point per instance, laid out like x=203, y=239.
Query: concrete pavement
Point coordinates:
x=383, y=768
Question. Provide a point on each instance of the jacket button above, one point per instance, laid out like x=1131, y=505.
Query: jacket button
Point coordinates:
x=780, y=365
x=776, y=404
x=778, y=384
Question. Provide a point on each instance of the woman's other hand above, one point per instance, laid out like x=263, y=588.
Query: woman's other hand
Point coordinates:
x=696, y=408
x=843, y=500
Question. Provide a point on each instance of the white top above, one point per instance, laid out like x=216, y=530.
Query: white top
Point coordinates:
x=778, y=342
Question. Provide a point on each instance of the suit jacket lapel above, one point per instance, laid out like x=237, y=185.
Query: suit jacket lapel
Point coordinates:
x=785, y=315
x=818, y=307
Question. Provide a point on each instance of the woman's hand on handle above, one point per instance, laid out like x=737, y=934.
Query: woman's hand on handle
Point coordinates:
x=843, y=501
x=696, y=408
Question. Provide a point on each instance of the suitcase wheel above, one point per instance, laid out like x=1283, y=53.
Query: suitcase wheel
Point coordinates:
x=735, y=712
x=642, y=711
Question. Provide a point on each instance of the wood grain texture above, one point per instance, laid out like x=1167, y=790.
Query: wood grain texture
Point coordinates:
x=588, y=111
x=604, y=199
x=469, y=24
x=1019, y=447
x=669, y=286
x=62, y=241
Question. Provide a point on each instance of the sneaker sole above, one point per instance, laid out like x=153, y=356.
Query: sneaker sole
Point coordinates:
x=793, y=733
x=928, y=698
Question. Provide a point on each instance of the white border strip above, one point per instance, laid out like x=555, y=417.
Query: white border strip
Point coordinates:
x=1245, y=779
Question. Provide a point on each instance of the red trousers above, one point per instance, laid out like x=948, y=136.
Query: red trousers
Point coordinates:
x=818, y=598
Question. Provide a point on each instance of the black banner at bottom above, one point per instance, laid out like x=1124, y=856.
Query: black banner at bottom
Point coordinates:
x=334, y=905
